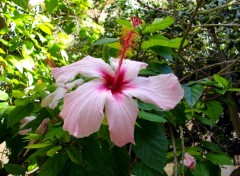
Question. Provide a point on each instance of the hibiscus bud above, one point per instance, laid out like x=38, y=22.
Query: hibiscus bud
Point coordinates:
x=43, y=127
x=189, y=161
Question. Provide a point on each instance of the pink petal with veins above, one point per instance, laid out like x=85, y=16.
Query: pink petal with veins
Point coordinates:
x=121, y=113
x=83, y=109
x=130, y=67
x=88, y=67
x=163, y=90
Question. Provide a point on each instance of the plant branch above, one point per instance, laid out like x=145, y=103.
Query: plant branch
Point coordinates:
x=215, y=25
x=183, y=148
x=174, y=151
x=219, y=7
x=207, y=67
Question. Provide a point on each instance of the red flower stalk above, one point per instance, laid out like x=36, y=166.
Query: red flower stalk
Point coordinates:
x=135, y=22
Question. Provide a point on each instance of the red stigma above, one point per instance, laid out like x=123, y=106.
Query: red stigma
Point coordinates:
x=135, y=21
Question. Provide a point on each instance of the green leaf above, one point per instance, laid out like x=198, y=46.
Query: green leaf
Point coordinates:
x=151, y=144
x=22, y=3
x=51, y=5
x=3, y=96
x=222, y=82
x=205, y=120
x=147, y=106
x=201, y=169
x=163, y=51
x=151, y=117
x=33, y=136
x=158, y=24
x=160, y=68
x=124, y=23
x=142, y=170
x=2, y=51
x=53, y=166
x=40, y=145
x=214, y=110
x=74, y=154
x=211, y=146
x=18, y=113
x=105, y=41
x=193, y=93
x=14, y=169
x=54, y=150
x=219, y=159
x=45, y=29
x=174, y=43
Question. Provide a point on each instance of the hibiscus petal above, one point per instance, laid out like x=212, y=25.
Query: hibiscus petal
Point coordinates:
x=131, y=68
x=88, y=67
x=52, y=99
x=163, y=90
x=83, y=109
x=121, y=112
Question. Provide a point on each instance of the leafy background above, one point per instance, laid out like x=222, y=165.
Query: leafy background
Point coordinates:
x=197, y=40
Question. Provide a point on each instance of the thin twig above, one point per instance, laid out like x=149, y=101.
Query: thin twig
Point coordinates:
x=219, y=7
x=216, y=25
x=183, y=148
x=203, y=68
x=174, y=151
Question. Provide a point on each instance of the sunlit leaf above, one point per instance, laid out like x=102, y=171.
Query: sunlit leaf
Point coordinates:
x=174, y=43
x=51, y=5
x=125, y=23
x=105, y=41
x=158, y=24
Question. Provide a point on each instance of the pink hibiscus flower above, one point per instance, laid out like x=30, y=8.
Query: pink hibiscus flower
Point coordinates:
x=189, y=161
x=111, y=90
x=83, y=109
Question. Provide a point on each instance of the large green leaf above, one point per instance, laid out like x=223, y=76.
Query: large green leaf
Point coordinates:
x=158, y=24
x=163, y=51
x=18, y=113
x=211, y=146
x=192, y=93
x=219, y=159
x=74, y=154
x=174, y=43
x=53, y=166
x=214, y=110
x=105, y=41
x=14, y=169
x=51, y=5
x=22, y=3
x=142, y=170
x=151, y=117
x=151, y=144
x=222, y=82
x=125, y=23
x=201, y=169
x=102, y=160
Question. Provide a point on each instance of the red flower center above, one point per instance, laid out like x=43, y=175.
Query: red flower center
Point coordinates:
x=120, y=84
